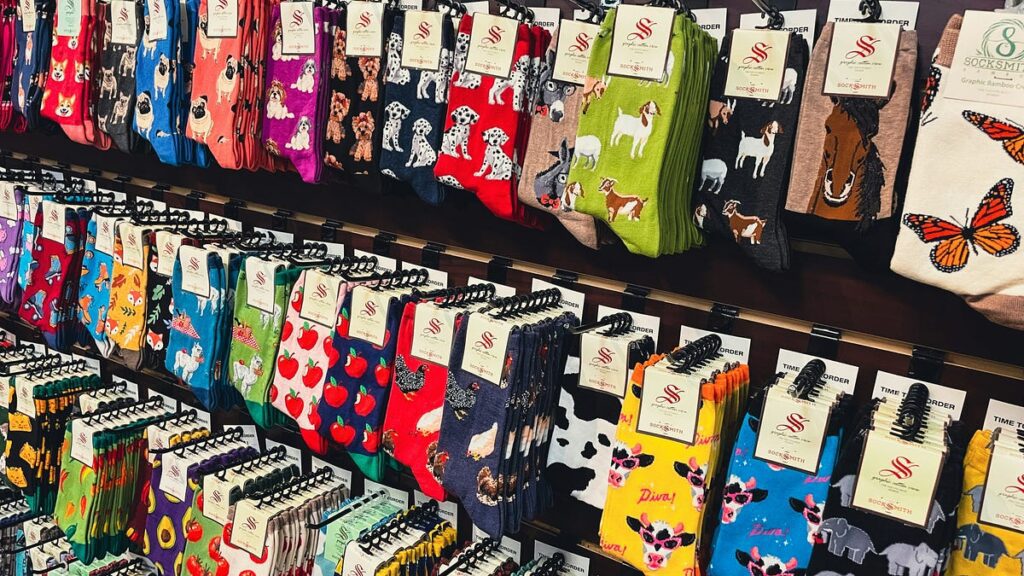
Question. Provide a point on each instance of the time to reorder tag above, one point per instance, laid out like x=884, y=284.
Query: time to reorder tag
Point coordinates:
x=862, y=59
x=54, y=220
x=1002, y=502
x=369, y=315
x=641, y=41
x=757, y=64
x=195, y=270
x=222, y=19
x=791, y=433
x=669, y=405
x=124, y=22
x=422, y=49
x=492, y=45
x=897, y=478
x=365, y=29
x=297, y=28
x=575, y=41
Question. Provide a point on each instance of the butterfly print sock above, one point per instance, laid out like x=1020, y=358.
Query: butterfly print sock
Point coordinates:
x=933, y=245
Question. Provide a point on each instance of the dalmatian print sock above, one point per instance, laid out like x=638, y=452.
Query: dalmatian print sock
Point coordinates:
x=415, y=103
x=744, y=204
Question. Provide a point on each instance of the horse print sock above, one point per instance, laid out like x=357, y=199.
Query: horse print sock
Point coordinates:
x=745, y=204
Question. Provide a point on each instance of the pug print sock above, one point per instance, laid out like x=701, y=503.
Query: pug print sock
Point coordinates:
x=745, y=204
x=549, y=153
x=157, y=108
x=215, y=85
x=115, y=78
x=414, y=110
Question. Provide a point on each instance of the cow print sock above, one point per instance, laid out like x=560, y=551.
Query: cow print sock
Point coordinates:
x=744, y=204
x=782, y=506
x=414, y=110
x=853, y=541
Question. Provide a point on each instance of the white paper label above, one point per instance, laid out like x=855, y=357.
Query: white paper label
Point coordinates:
x=1003, y=415
x=167, y=244
x=641, y=41
x=669, y=405
x=733, y=348
x=28, y=15
x=988, y=64
x=369, y=315
x=897, y=479
x=365, y=29
x=803, y=22
x=292, y=455
x=422, y=48
x=81, y=441
x=222, y=19
x=757, y=64
x=893, y=12
x=511, y=548
x=1002, y=502
x=259, y=283
x=157, y=20
x=54, y=220
x=436, y=279
x=547, y=18
x=131, y=245
x=320, y=298
x=574, y=563
x=486, y=343
x=500, y=290
x=572, y=300
x=713, y=21
x=892, y=386
x=105, y=226
x=397, y=497
x=643, y=324
x=69, y=17
x=841, y=375
x=124, y=22
x=195, y=273
x=8, y=204
x=23, y=386
x=492, y=45
x=250, y=527
x=446, y=510
x=249, y=435
x=791, y=432
x=575, y=41
x=861, y=59
x=174, y=478
x=604, y=363
x=169, y=403
x=433, y=330
x=216, y=503
x=297, y=28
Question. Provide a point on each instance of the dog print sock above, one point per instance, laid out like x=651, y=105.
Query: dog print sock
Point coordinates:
x=68, y=92
x=94, y=284
x=414, y=110
x=549, y=153
x=982, y=549
x=10, y=248
x=745, y=204
x=339, y=103
x=847, y=199
x=302, y=360
x=115, y=79
x=254, y=339
x=959, y=231
x=126, y=317
x=294, y=85
x=31, y=69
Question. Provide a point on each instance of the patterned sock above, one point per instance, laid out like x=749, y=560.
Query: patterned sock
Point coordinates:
x=126, y=321
x=94, y=284
x=31, y=69
x=67, y=96
x=115, y=78
x=10, y=249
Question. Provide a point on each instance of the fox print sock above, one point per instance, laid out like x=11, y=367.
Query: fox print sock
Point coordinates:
x=415, y=104
x=959, y=231
x=745, y=205
x=94, y=284
x=126, y=319
x=115, y=79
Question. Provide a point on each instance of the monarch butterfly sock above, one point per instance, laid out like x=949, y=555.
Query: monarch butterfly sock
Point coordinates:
x=932, y=246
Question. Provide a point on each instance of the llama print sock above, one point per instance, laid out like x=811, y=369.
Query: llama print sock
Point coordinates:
x=415, y=107
x=115, y=102
x=549, y=153
x=959, y=231
x=986, y=550
x=295, y=84
x=94, y=284
x=10, y=247
x=871, y=137
x=745, y=204
x=304, y=354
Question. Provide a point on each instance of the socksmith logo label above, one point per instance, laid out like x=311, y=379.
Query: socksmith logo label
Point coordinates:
x=423, y=31
x=369, y=309
x=758, y=53
x=261, y=278
x=1018, y=486
x=643, y=29
x=795, y=423
x=296, y=21
x=433, y=327
x=320, y=291
x=670, y=395
x=865, y=47
x=485, y=342
x=581, y=43
x=494, y=35
x=603, y=357
x=901, y=468
x=365, y=19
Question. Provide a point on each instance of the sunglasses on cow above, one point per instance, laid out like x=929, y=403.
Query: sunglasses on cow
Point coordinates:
x=771, y=571
x=739, y=498
x=627, y=463
x=667, y=542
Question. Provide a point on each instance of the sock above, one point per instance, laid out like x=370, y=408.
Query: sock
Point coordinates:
x=94, y=284
x=126, y=321
x=549, y=153
x=115, y=81
x=67, y=95
x=218, y=73
x=9, y=119
x=415, y=107
x=882, y=122
x=987, y=279
x=295, y=88
x=31, y=69
x=10, y=249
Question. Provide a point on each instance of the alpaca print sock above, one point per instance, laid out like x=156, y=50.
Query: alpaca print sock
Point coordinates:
x=549, y=154
x=880, y=123
x=10, y=247
x=745, y=204
x=94, y=284
x=983, y=549
x=945, y=198
x=295, y=84
x=415, y=107
x=115, y=103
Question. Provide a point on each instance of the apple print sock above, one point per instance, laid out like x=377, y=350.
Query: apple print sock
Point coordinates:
x=365, y=373
x=409, y=156
x=785, y=523
x=94, y=285
x=115, y=80
x=295, y=87
x=10, y=249
x=304, y=355
x=255, y=335
x=412, y=424
x=745, y=205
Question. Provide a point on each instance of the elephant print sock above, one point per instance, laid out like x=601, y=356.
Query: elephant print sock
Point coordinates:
x=294, y=85
x=94, y=284
x=412, y=423
x=303, y=357
x=410, y=144
x=989, y=278
x=856, y=542
x=549, y=153
x=867, y=130
x=115, y=79
x=10, y=248
x=745, y=204
x=982, y=549
x=364, y=370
